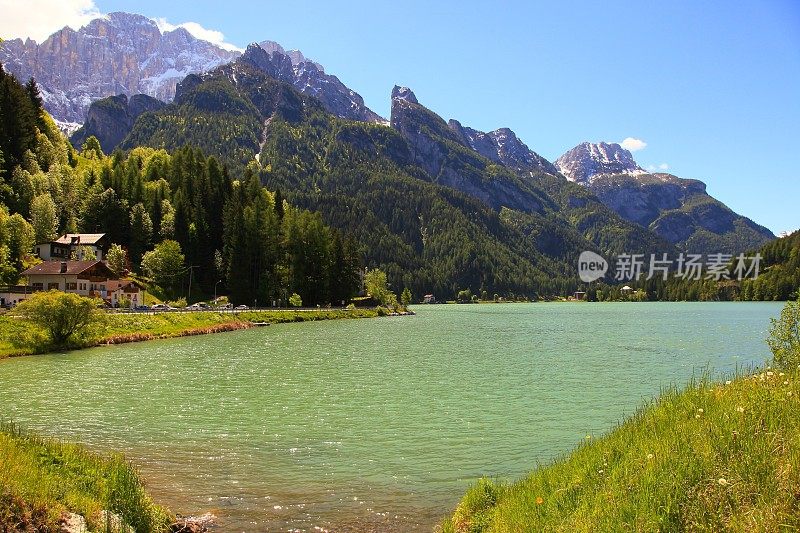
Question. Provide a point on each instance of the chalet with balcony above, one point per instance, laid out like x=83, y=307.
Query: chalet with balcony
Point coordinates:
x=74, y=245
x=87, y=278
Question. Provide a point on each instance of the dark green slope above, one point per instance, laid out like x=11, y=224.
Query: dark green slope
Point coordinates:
x=681, y=211
x=503, y=233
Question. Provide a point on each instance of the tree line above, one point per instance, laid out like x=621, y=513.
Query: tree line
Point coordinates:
x=173, y=216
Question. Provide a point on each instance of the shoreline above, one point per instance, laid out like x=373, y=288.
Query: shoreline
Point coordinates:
x=125, y=328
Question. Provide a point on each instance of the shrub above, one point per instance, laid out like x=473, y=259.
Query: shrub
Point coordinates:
x=65, y=318
x=295, y=300
x=784, y=336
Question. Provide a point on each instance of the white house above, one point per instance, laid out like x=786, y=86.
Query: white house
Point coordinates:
x=69, y=244
x=87, y=278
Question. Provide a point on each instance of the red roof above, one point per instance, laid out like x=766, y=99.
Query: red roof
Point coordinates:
x=125, y=284
x=49, y=268
x=80, y=238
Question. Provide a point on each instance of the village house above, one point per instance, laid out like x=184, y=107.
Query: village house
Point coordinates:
x=119, y=291
x=74, y=246
x=86, y=278
x=11, y=295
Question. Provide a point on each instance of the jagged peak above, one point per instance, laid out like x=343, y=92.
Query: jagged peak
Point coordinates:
x=587, y=160
x=405, y=94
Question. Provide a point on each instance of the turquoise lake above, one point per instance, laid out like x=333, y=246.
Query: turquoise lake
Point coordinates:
x=375, y=424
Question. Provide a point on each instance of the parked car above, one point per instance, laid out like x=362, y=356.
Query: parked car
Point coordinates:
x=242, y=307
x=142, y=308
x=226, y=306
x=195, y=307
x=161, y=307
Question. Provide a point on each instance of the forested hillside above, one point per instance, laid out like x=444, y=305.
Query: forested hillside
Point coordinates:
x=169, y=212
x=365, y=179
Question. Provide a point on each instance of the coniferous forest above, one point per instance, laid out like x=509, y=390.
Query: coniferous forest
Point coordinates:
x=256, y=191
x=228, y=229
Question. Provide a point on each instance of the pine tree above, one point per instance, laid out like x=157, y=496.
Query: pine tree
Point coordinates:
x=44, y=218
x=140, y=234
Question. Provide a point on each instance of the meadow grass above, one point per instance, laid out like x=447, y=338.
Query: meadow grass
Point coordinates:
x=128, y=327
x=712, y=457
x=42, y=479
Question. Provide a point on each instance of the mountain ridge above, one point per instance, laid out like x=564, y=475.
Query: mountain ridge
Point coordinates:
x=679, y=210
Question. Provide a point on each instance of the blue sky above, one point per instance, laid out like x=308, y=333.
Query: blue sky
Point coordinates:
x=713, y=88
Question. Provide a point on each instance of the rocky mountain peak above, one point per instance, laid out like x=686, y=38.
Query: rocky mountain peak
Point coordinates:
x=296, y=56
x=120, y=53
x=586, y=161
x=309, y=78
x=502, y=146
x=405, y=94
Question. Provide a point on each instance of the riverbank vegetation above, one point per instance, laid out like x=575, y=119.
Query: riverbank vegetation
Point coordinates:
x=44, y=482
x=25, y=331
x=717, y=456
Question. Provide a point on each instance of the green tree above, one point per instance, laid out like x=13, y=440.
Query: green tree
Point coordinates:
x=295, y=300
x=405, y=297
x=83, y=253
x=116, y=259
x=21, y=239
x=784, y=336
x=44, y=218
x=91, y=148
x=65, y=317
x=167, y=229
x=141, y=232
x=378, y=287
x=464, y=296
x=164, y=264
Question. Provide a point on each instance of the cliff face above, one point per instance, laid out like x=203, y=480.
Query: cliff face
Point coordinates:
x=679, y=210
x=111, y=119
x=309, y=78
x=120, y=54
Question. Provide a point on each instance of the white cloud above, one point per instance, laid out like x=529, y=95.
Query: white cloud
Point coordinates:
x=212, y=36
x=662, y=167
x=634, y=145
x=38, y=19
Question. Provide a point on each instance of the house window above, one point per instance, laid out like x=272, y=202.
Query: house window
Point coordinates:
x=52, y=286
x=72, y=286
x=38, y=286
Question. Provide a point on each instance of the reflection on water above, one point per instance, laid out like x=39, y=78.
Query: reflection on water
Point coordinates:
x=374, y=424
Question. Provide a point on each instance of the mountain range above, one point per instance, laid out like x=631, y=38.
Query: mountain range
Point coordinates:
x=314, y=138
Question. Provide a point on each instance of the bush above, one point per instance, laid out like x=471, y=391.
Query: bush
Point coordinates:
x=295, y=300
x=65, y=318
x=784, y=336
x=180, y=303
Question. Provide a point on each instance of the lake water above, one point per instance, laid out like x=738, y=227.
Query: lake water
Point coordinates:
x=379, y=424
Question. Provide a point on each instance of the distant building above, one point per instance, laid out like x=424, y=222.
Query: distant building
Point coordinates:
x=87, y=278
x=74, y=244
x=429, y=299
x=11, y=295
x=118, y=290
x=579, y=295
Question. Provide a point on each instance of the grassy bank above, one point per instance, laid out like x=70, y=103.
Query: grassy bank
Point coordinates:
x=130, y=327
x=42, y=480
x=716, y=456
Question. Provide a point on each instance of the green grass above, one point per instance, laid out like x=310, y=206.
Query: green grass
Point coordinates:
x=127, y=327
x=43, y=479
x=712, y=457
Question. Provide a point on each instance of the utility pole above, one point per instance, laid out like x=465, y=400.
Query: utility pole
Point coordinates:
x=191, y=270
